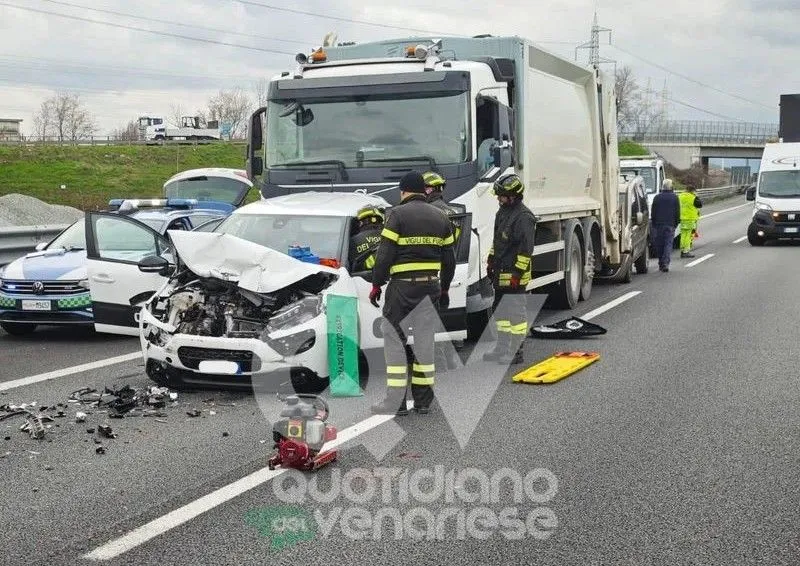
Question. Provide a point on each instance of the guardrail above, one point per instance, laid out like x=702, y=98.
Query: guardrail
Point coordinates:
x=710, y=195
x=107, y=140
x=16, y=241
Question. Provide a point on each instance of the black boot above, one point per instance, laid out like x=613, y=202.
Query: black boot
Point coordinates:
x=500, y=348
x=423, y=397
x=514, y=353
x=392, y=404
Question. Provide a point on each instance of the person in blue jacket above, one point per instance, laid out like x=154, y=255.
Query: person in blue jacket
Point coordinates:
x=665, y=215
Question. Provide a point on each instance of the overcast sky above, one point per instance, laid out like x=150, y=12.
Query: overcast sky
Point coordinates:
x=744, y=52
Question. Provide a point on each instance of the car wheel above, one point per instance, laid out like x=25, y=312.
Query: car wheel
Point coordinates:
x=17, y=328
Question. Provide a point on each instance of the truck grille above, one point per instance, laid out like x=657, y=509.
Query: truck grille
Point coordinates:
x=191, y=357
x=19, y=287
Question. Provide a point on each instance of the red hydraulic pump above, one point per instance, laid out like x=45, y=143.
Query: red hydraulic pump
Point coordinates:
x=301, y=433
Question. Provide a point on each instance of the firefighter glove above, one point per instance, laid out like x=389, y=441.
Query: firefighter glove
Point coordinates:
x=375, y=295
x=444, y=300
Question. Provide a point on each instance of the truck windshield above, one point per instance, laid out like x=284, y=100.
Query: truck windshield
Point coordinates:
x=369, y=131
x=648, y=174
x=322, y=234
x=779, y=184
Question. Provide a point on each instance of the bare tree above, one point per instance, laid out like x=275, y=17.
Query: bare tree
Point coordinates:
x=128, y=132
x=261, y=88
x=65, y=117
x=43, y=120
x=176, y=113
x=636, y=113
x=230, y=107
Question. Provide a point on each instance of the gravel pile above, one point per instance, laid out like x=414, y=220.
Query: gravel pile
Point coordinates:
x=23, y=210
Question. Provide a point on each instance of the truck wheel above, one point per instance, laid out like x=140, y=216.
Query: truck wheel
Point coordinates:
x=627, y=275
x=643, y=261
x=753, y=237
x=17, y=328
x=569, y=289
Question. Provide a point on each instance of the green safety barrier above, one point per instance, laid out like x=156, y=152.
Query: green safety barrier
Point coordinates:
x=342, y=314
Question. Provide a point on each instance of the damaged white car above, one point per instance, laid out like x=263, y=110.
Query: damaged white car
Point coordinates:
x=234, y=304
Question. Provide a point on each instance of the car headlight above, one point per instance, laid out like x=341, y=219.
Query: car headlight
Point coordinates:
x=763, y=206
x=84, y=283
x=295, y=314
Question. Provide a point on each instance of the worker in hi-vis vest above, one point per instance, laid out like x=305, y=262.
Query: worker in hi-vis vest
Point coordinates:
x=690, y=214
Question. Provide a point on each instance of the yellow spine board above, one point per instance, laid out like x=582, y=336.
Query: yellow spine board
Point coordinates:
x=556, y=368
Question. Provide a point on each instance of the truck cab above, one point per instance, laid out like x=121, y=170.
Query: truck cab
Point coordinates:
x=650, y=168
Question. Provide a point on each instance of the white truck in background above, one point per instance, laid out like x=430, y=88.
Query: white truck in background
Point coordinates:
x=156, y=129
x=650, y=168
x=358, y=117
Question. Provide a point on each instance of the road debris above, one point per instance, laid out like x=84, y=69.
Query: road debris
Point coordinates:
x=100, y=450
x=194, y=413
x=106, y=431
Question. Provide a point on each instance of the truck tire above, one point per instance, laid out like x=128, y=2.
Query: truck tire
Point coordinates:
x=568, y=290
x=627, y=274
x=753, y=237
x=643, y=261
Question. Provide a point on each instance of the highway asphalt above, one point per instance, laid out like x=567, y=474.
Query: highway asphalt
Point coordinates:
x=680, y=445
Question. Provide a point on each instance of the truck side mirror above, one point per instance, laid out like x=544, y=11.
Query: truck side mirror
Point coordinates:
x=255, y=142
x=502, y=155
x=750, y=193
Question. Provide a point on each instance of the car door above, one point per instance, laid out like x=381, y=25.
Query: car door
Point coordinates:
x=455, y=317
x=114, y=246
x=639, y=229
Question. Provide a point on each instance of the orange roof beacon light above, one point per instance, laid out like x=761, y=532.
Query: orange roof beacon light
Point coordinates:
x=411, y=51
x=319, y=56
x=330, y=262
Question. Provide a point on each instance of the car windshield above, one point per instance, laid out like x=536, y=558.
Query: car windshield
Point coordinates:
x=204, y=188
x=368, y=131
x=73, y=238
x=780, y=184
x=321, y=234
x=154, y=223
x=648, y=174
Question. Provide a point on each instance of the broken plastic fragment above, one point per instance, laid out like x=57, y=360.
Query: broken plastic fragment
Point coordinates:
x=100, y=450
x=193, y=413
x=106, y=431
x=80, y=417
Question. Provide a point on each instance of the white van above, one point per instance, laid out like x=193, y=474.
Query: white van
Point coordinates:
x=776, y=214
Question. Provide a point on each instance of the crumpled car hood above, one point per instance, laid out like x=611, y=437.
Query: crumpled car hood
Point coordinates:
x=253, y=267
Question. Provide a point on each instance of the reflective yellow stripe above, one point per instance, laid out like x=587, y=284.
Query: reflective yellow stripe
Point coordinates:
x=422, y=241
x=522, y=262
x=370, y=263
x=425, y=368
x=418, y=266
x=396, y=382
x=520, y=328
x=388, y=234
x=396, y=369
x=503, y=324
x=421, y=380
x=448, y=240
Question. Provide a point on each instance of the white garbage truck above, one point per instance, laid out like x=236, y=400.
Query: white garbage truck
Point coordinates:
x=358, y=117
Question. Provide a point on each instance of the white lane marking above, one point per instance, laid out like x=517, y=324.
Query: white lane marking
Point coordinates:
x=610, y=305
x=70, y=370
x=742, y=239
x=724, y=210
x=179, y=516
x=699, y=260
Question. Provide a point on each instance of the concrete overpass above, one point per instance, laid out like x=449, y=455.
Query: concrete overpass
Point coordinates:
x=684, y=143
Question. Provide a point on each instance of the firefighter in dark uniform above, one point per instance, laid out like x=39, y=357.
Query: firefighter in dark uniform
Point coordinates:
x=434, y=188
x=509, y=267
x=416, y=257
x=364, y=243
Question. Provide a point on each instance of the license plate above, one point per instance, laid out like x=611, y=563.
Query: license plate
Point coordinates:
x=223, y=367
x=790, y=230
x=36, y=305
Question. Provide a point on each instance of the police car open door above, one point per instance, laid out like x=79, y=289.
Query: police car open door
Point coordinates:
x=114, y=246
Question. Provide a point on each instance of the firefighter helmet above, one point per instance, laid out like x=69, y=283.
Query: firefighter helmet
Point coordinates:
x=509, y=185
x=434, y=180
x=370, y=215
